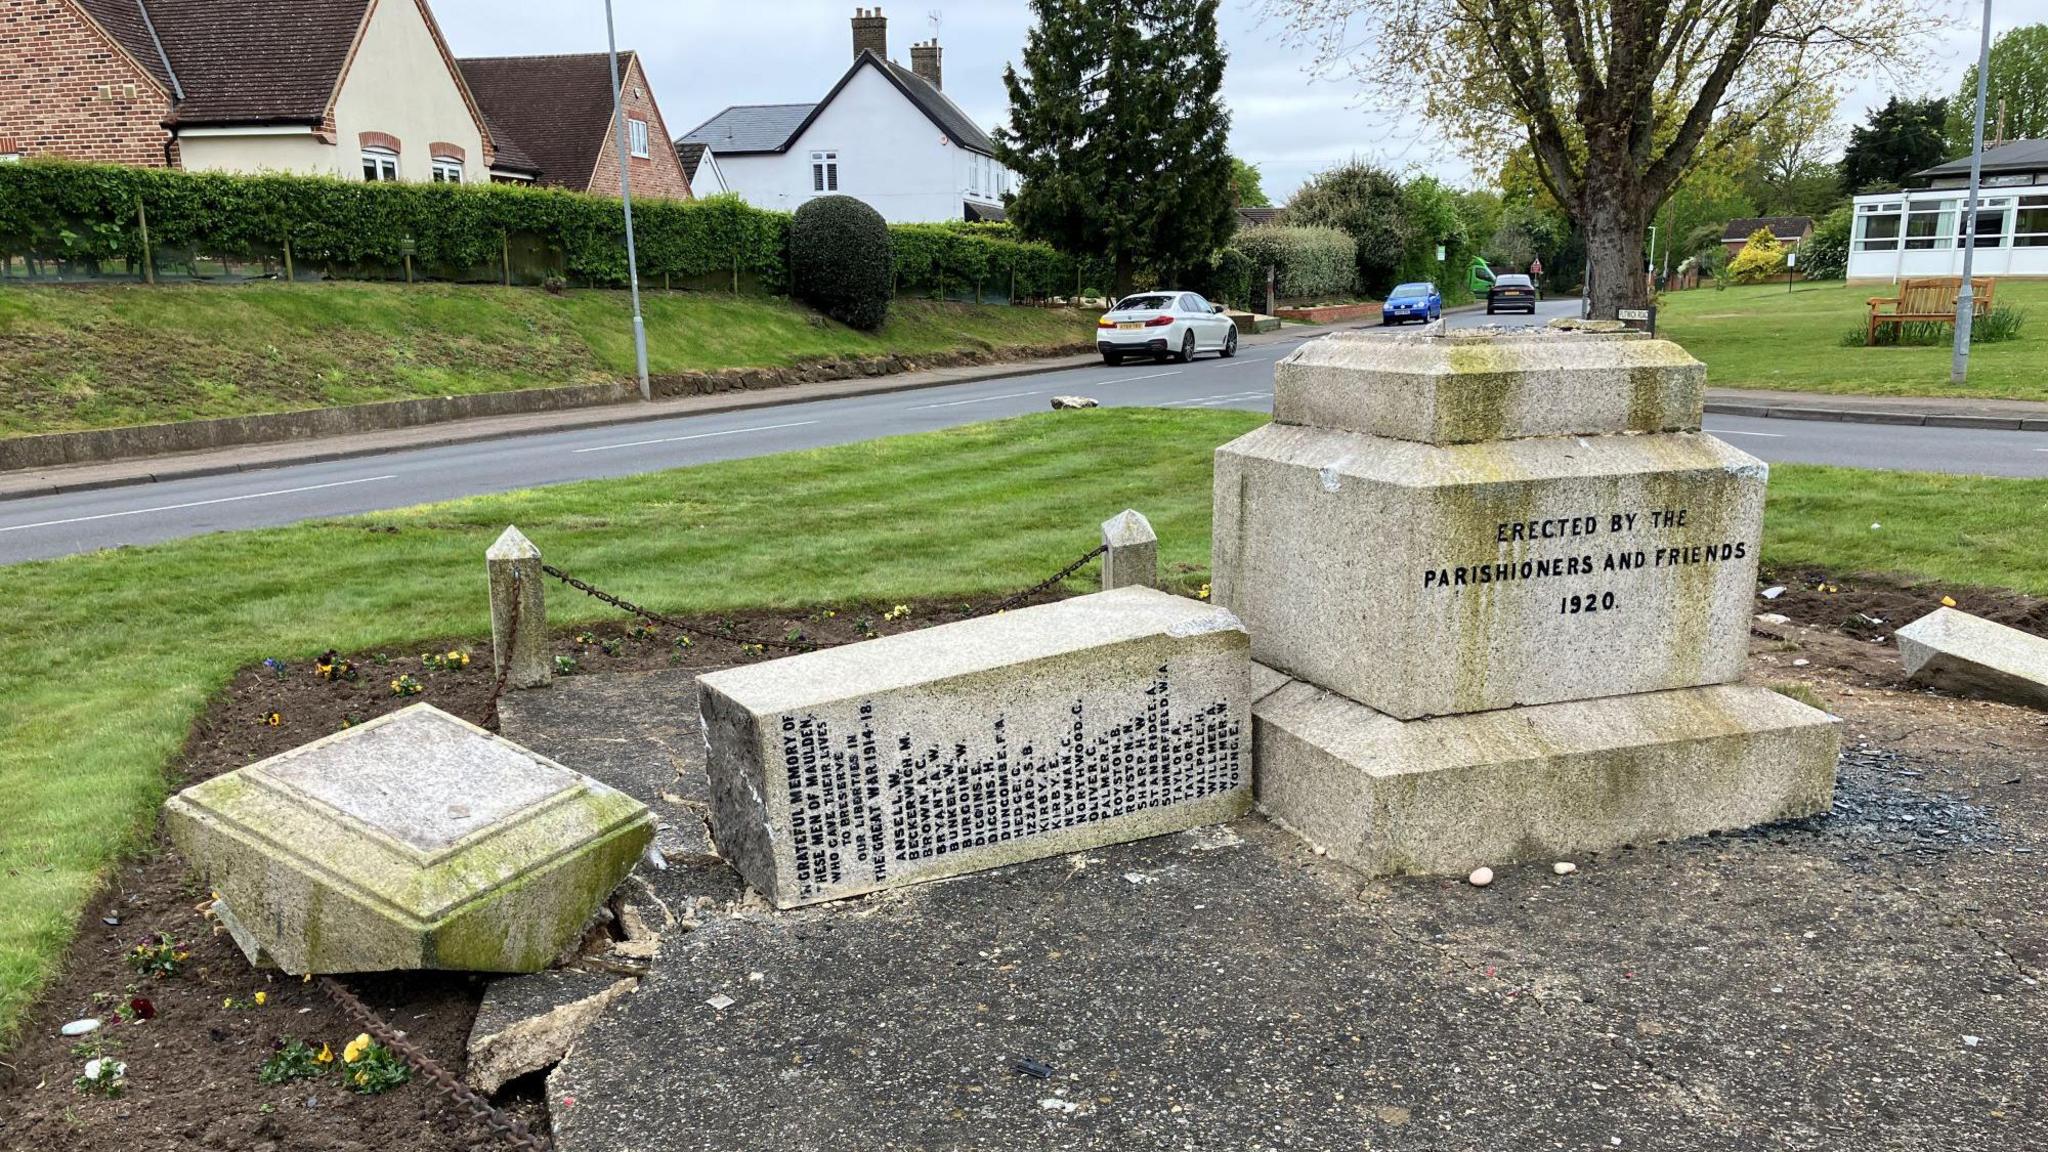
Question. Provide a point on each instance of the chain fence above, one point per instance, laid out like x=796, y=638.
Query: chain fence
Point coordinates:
x=648, y=614
x=506, y=1127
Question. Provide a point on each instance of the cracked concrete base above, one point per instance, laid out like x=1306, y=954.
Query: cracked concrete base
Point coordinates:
x=526, y=1023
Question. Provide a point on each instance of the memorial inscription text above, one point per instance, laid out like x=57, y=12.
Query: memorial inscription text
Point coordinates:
x=1596, y=544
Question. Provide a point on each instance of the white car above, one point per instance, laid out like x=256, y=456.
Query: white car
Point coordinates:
x=1163, y=324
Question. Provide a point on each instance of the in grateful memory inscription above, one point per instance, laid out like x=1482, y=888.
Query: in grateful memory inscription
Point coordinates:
x=1592, y=546
x=861, y=802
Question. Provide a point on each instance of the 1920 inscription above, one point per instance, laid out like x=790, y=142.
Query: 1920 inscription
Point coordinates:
x=1600, y=544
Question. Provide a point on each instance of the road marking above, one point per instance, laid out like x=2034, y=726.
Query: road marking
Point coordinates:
x=196, y=503
x=1132, y=379
x=697, y=436
x=1198, y=401
x=977, y=400
x=1733, y=432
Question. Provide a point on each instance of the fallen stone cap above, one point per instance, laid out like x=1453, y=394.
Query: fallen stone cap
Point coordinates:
x=1465, y=387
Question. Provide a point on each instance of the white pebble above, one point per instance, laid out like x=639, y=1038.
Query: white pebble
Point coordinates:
x=1801, y=662
x=1564, y=867
x=1481, y=877
x=80, y=1027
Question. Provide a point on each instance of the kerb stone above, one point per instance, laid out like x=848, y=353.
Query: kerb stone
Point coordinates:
x=1969, y=655
x=1449, y=794
x=1429, y=580
x=1462, y=388
x=417, y=840
x=972, y=745
x=519, y=611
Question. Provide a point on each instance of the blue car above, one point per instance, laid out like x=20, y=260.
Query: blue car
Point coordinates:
x=1418, y=301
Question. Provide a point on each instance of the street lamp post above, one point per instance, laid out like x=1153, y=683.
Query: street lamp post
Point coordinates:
x=1966, y=230
x=626, y=198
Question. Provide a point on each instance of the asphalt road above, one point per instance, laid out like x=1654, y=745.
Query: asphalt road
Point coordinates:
x=58, y=525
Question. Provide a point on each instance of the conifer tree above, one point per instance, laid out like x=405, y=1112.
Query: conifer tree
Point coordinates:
x=1118, y=136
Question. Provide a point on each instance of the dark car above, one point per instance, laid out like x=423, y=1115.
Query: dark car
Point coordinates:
x=1511, y=293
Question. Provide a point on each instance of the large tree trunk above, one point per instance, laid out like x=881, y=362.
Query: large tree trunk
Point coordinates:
x=1126, y=274
x=1615, y=216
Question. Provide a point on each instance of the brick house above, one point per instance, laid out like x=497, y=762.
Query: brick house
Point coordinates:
x=559, y=109
x=357, y=89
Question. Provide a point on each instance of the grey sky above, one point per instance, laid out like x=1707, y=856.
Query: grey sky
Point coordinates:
x=706, y=54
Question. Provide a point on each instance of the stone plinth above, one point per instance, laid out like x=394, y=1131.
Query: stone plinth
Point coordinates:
x=978, y=744
x=1427, y=580
x=416, y=840
x=1449, y=794
x=1468, y=387
x=1957, y=652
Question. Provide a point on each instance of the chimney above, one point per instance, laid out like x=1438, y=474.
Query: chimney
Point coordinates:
x=924, y=60
x=870, y=33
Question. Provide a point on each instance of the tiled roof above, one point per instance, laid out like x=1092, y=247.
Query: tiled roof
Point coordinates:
x=125, y=22
x=1252, y=216
x=251, y=61
x=2018, y=156
x=750, y=128
x=556, y=109
x=1782, y=227
x=691, y=155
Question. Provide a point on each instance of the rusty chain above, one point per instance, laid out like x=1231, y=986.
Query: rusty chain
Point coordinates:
x=505, y=653
x=511, y=1129
x=632, y=609
x=1048, y=582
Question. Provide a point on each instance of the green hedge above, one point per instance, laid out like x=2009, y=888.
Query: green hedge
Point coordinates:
x=86, y=214
x=1307, y=261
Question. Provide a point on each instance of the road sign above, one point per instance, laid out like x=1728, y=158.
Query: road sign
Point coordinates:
x=1439, y=253
x=1791, y=259
x=1642, y=314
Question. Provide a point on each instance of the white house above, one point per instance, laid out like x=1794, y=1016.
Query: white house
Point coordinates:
x=1914, y=232
x=885, y=134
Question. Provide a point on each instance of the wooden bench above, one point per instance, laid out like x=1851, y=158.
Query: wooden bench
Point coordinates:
x=1931, y=300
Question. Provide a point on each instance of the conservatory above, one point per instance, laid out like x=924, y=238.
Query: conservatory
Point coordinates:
x=1905, y=234
x=1921, y=231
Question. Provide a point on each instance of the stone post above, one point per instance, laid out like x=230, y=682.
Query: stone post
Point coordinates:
x=1133, y=556
x=514, y=566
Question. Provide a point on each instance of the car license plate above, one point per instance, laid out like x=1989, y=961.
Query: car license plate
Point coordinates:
x=1128, y=326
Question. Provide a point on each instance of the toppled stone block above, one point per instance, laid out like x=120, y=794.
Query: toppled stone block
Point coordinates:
x=977, y=744
x=1459, y=388
x=527, y=1023
x=1969, y=655
x=417, y=840
x=1448, y=794
x=1073, y=403
x=1427, y=580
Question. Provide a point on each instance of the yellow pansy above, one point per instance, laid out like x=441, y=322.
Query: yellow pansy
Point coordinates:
x=326, y=1055
x=356, y=1048
x=262, y=998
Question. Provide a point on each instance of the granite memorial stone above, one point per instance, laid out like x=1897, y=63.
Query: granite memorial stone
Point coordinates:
x=1515, y=583
x=1957, y=652
x=416, y=840
x=976, y=744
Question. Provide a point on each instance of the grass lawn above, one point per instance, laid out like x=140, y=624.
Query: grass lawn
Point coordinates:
x=109, y=656
x=107, y=355
x=1765, y=337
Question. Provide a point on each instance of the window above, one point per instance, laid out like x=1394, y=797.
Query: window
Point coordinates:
x=379, y=164
x=2030, y=223
x=636, y=135
x=1931, y=225
x=447, y=171
x=974, y=173
x=824, y=171
x=1877, y=227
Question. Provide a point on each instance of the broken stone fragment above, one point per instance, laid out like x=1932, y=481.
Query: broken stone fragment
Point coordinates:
x=1969, y=655
x=527, y=1023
